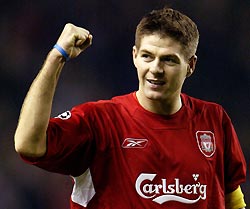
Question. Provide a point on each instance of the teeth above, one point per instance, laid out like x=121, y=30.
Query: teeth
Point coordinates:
x=156, y=82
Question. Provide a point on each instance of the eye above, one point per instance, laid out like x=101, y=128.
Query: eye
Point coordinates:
x=146, y=57
x=170, y=60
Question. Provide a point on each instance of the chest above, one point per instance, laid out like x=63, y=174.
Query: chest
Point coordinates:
x=183, y=144
x=175, y=150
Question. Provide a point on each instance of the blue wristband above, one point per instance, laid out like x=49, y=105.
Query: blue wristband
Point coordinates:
x=62, y=51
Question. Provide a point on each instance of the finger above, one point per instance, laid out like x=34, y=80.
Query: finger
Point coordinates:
x=87, y=42
x=90, y=38
x=80, y=39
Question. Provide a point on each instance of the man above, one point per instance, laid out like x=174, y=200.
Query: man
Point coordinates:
x=153, y=148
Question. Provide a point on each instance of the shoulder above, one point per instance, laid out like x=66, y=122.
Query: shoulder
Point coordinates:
x=117, y=102
x=199, y=106
x=196, y=102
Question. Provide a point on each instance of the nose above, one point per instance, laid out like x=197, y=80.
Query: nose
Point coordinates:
x=156, y=67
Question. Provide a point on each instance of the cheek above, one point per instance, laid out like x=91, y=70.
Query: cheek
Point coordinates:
x=140, y=75
x=141, y=70
x=177, y=79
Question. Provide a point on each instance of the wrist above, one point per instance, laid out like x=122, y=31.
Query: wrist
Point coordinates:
x=53, y=64
x=62, y=51
x=55, y=56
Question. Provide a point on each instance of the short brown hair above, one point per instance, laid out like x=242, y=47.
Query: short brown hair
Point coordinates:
x=172, y=23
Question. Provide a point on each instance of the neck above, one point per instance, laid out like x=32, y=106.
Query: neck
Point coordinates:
x=167, y=106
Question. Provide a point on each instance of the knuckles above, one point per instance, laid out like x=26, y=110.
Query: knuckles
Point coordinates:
x=74, y=39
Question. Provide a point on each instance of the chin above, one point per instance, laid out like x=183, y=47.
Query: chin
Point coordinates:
x=154, y=95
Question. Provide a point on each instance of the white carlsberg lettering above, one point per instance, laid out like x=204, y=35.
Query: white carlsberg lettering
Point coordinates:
x=139, y=181
x=163, y=192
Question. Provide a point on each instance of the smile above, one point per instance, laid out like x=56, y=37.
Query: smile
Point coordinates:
x=156, y=82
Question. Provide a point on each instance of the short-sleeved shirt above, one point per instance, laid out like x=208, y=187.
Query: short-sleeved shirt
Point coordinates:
x=122, y=156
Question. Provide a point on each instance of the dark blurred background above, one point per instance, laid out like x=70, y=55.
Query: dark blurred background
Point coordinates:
x=29, y=29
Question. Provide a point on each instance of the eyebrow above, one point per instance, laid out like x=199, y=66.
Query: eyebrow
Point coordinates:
x=146, y=51
x=166, y=55
x=173, y=56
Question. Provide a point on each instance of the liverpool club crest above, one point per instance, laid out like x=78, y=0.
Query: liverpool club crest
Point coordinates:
x=206, y=142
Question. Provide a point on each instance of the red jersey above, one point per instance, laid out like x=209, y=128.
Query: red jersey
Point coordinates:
x=121, y=156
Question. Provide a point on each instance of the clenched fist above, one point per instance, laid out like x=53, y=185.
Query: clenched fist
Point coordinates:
x=74, y=40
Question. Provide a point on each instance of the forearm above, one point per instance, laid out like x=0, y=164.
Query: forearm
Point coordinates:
x=30, y=136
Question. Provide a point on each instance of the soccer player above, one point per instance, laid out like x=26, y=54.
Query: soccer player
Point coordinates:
x=153, y=148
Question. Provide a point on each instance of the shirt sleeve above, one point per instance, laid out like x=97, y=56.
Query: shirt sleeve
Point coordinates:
x=235, y=164
x=69, y=143
x=235, y=199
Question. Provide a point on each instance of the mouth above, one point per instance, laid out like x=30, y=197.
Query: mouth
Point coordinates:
x=156, y=82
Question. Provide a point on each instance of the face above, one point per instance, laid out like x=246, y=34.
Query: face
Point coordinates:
x=161, y=68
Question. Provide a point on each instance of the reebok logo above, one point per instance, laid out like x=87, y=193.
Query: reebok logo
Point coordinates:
x=134, y=143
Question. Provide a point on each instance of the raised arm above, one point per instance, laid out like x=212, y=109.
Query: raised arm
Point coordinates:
x=30, y=135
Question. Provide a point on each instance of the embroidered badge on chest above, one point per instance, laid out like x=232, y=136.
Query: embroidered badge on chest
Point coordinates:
x=206, y=142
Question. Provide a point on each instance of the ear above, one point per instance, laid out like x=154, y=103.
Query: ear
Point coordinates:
x=134, y=52
x=191, y=65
